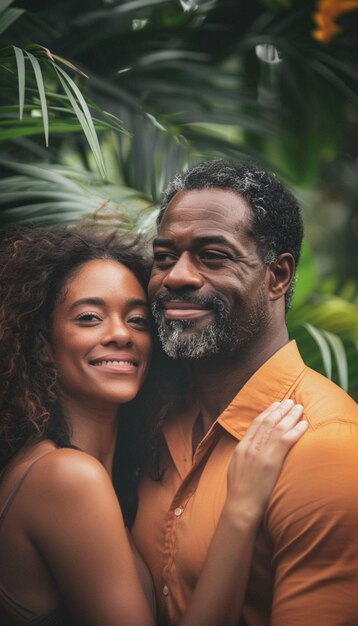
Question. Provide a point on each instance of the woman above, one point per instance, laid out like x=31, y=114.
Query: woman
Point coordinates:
x=75, y=345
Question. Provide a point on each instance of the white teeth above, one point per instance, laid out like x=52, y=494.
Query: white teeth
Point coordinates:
x=114, y=362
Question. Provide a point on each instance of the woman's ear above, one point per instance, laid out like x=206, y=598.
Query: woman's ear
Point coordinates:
x=281, y=275
x=46, y=354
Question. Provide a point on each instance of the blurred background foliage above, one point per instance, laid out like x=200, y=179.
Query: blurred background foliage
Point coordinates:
x=102, y=101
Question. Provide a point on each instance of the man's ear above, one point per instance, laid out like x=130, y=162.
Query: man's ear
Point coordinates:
x=281, y=274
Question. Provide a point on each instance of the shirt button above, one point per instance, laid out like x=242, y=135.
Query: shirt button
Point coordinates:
x=165, y=590
x=178, y=511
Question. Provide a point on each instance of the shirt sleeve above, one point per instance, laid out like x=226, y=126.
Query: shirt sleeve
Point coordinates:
x=313, y=524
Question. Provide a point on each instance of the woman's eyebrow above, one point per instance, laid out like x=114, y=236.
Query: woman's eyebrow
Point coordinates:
x=131, y=302
x=88, y=300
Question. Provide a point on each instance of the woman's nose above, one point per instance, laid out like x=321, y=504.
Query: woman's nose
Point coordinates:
x=117, y=332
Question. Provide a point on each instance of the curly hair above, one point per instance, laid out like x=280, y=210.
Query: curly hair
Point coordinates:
x=34, y=264
x=276, y=222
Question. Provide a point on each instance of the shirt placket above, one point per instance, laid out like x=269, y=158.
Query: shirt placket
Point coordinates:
x=170, y=581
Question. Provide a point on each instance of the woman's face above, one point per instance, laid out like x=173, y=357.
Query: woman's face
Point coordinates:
x=101, y=341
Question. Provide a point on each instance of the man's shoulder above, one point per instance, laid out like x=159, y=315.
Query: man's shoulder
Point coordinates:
x=317, y=482
x=323, y=401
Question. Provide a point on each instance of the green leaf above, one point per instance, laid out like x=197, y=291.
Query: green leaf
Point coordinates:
x=126, y=7
x=340, y=356
x=306, y=277
x=51, y=174
x=7, y=54
x=83, y=115
x=20, y=62
x=323, y=347
x=30, y=131
x=41, y=87
x=69, y=64
x=4, y=4
x=327, y=312
x=50, y=194
x=335, y=80
x=9, y=17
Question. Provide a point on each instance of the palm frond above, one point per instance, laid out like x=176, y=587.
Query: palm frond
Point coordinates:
x=41, y=90
x=49, y=194
x=82, y=112
x=334, y=355
x=8, y=15
x=41, y=99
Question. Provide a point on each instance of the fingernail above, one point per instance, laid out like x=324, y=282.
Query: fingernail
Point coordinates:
x=287, y=403
x=297, y=409
x=302, y=425
x=275, y=404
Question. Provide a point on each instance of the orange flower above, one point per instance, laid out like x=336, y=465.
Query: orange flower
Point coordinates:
x=325, y=17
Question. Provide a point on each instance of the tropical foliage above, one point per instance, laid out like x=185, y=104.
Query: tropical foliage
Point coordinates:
x=103, y=101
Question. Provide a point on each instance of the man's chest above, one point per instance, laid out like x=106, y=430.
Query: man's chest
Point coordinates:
x=176, y=521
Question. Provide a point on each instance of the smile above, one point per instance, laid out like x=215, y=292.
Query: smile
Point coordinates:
x=112, y=364
x=184, y=310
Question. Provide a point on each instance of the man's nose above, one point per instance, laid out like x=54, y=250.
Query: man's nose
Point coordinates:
x=183, y=274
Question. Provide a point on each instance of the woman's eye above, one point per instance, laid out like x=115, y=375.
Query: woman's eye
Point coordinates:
x=88, y=317
x=139, y=320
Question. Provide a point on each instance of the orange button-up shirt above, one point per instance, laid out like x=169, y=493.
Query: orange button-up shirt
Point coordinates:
x=305, y=564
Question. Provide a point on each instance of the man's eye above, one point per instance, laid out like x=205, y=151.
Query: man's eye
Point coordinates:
x=89, y=317
x=164, y=258
x=213, y=256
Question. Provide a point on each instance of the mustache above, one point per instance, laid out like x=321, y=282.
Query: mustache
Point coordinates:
x=186, y=295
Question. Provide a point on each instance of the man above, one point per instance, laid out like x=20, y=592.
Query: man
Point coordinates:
x=224, y=263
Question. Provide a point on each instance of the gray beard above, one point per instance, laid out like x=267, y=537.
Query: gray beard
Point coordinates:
x=223, y=336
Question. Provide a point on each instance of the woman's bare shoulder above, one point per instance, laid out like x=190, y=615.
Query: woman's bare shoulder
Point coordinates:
x=75, y=486
x=43, y=462
x=67, y=468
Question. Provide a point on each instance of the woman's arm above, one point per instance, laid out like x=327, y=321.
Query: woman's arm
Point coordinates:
x=76, y=525
x=253, y=471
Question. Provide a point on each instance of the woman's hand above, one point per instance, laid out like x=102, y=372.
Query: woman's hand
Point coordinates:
x=258, y=459
x=252, y=473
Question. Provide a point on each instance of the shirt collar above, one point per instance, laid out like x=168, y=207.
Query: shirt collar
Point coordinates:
x=273, y=381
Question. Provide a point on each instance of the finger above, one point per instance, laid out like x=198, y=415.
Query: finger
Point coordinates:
x=291, y=436
x=276, y=425
x=255, y=424
x=266, y=421
x=289, y=420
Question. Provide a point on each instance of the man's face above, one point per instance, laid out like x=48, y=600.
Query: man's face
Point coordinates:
x=208, y=284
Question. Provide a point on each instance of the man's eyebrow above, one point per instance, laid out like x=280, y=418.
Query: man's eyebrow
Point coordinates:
x=207, y=239
x=161, y=241
x=131, y=302
x=199, y=240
